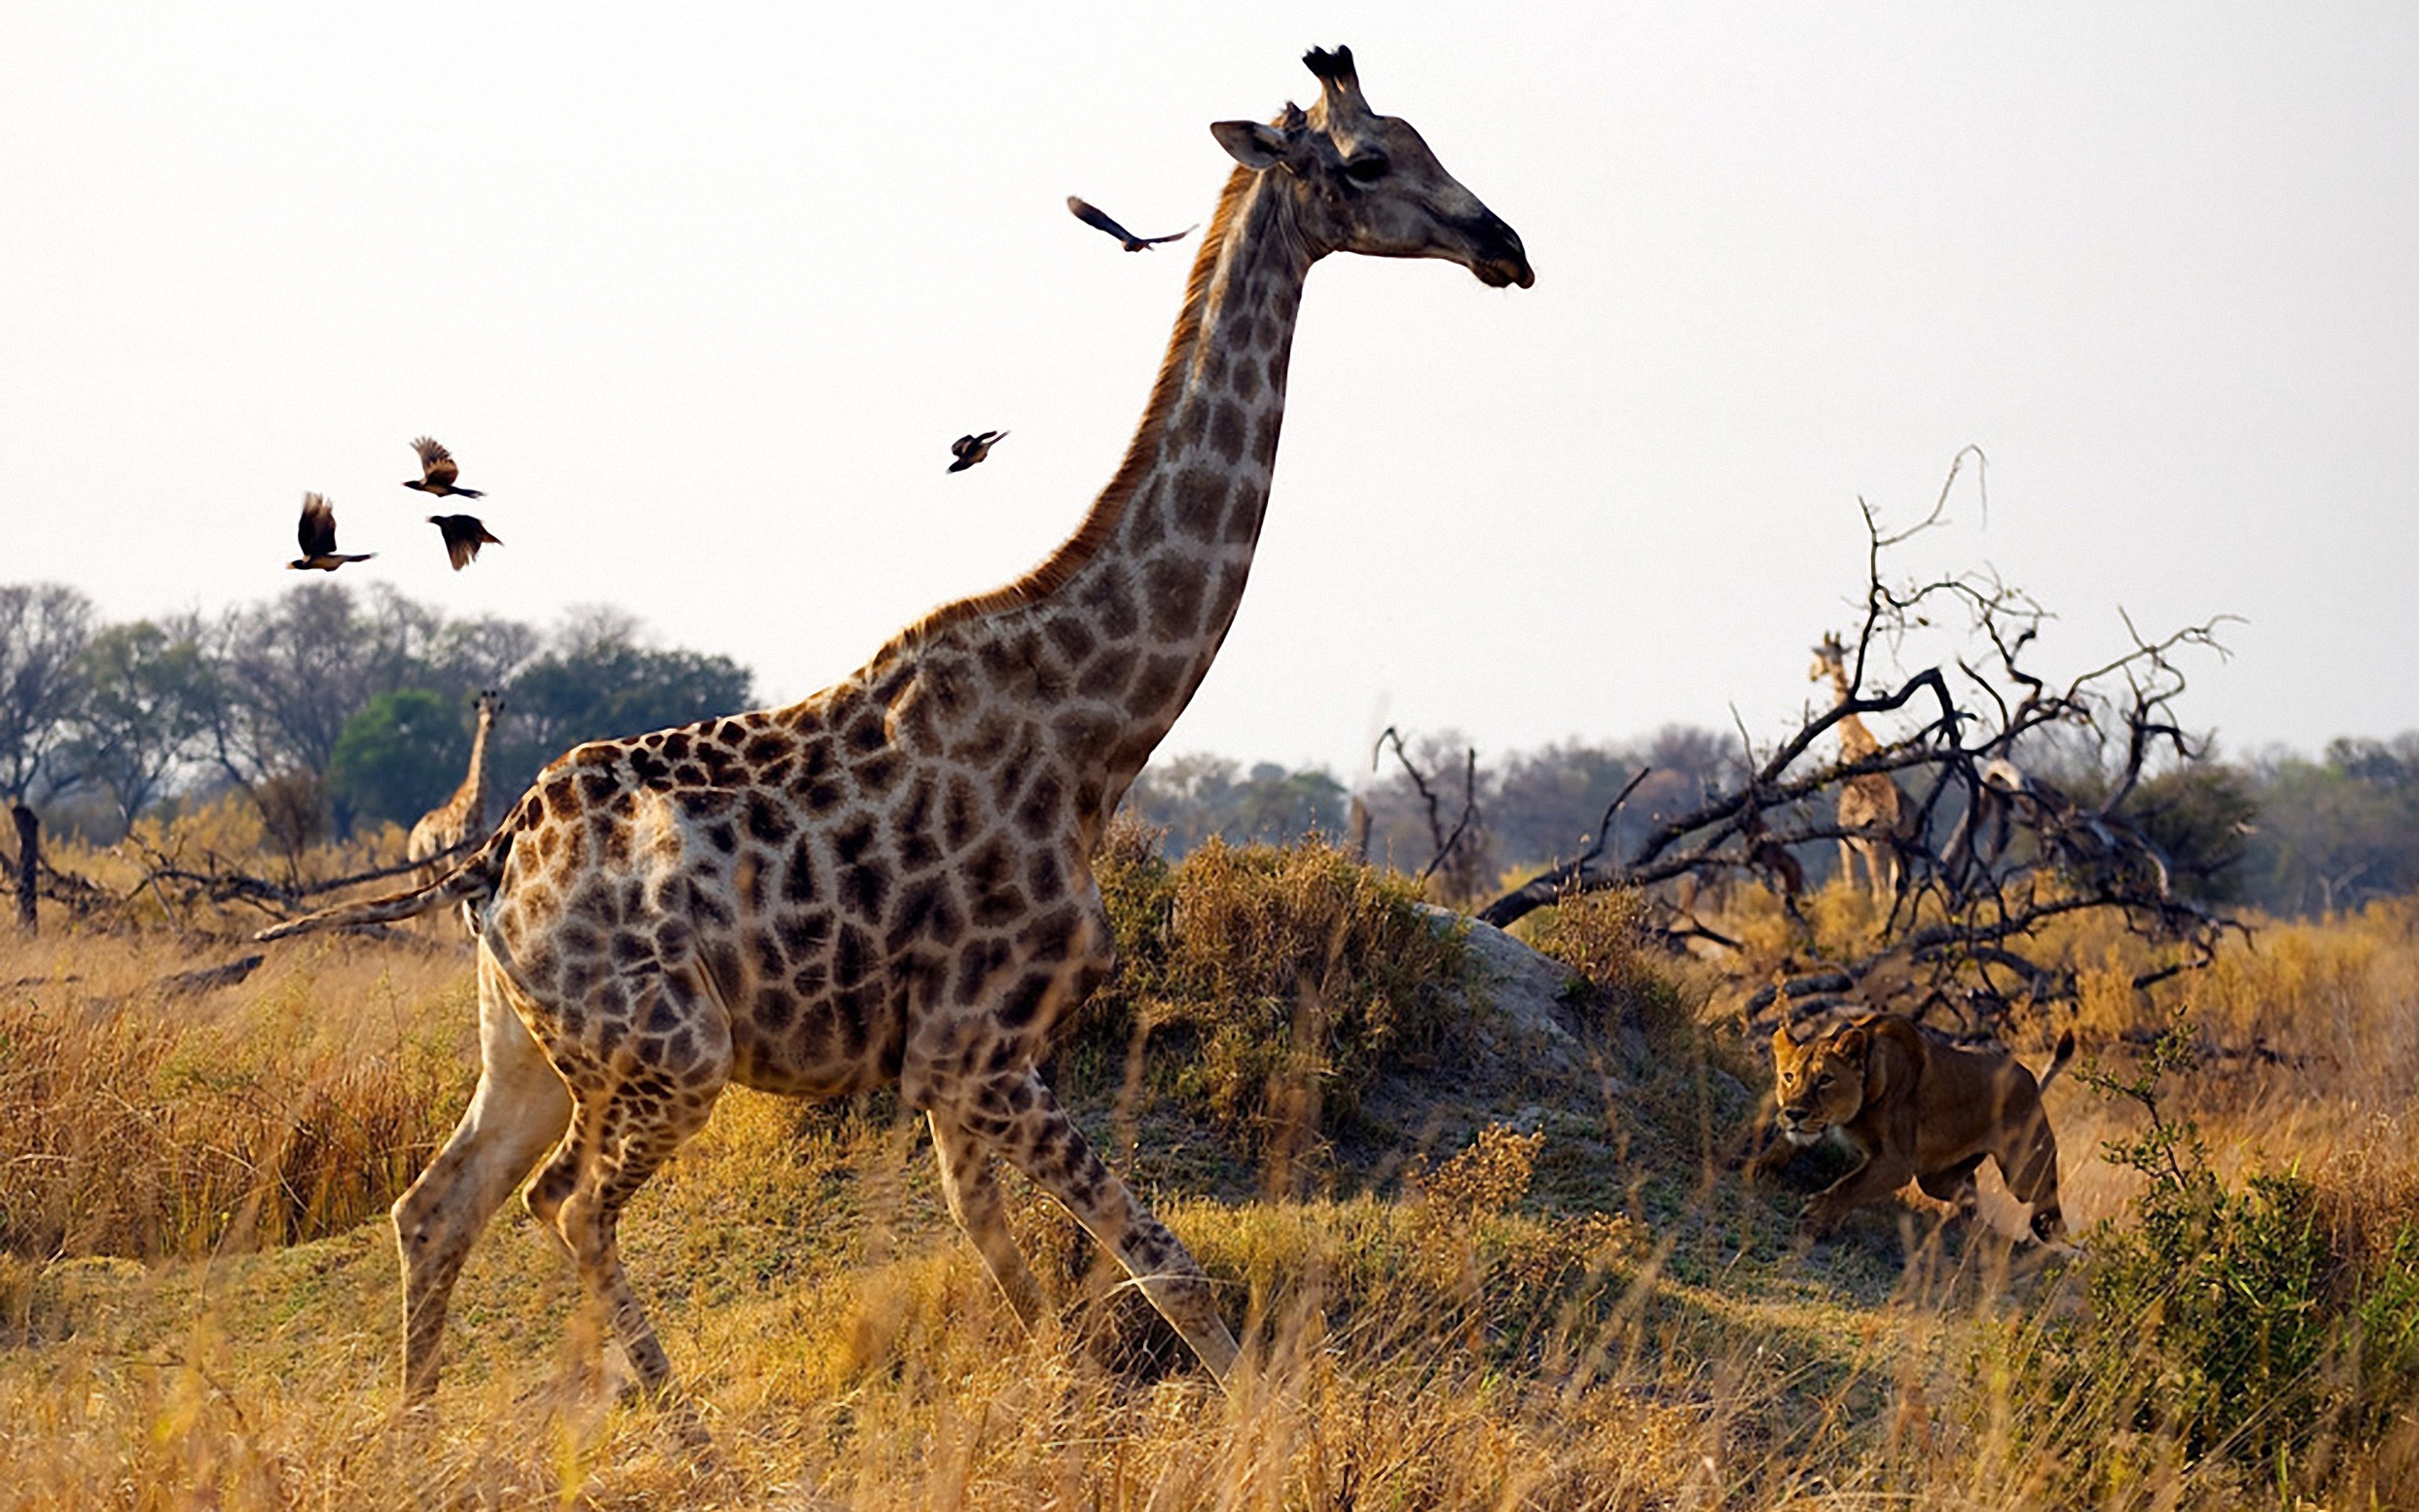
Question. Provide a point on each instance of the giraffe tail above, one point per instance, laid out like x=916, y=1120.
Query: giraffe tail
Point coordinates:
x=477, y=878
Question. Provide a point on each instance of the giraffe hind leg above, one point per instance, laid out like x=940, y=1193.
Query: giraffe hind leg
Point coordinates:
x=1037, y=1136
x=631, y=1109
x=520, y=1107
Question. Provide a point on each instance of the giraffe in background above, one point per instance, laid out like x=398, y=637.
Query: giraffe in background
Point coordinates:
x=464, y=815
x=892, y=880
x=1870, y=803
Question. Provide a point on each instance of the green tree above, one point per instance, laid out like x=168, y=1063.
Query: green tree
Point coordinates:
x=1548, y=802
x=598, y=683
x=1197, y=796
x=2200, y=817
x=400, y=756
x=2337, y=831
x=150, y=694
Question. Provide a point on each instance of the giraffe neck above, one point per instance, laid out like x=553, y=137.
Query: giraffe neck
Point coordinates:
x=1206, y=450
x=1855, y=742
x=1103, y=645
x=474, y=794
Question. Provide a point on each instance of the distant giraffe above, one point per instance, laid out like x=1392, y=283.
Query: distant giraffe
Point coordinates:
x=892, y=880
x=464, y=815
x=1869, y=804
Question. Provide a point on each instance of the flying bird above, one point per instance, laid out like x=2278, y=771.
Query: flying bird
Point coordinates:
x=437, y=472
x=1097, y=219
x=463, y=536
x=317, y=535
x=970, y=449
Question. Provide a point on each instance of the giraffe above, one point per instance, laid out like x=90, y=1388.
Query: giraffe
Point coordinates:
x=464, y=815
x=891, y=881
x=1869, y=805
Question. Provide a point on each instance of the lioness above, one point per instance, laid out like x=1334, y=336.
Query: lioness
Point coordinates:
x=1913, y=1105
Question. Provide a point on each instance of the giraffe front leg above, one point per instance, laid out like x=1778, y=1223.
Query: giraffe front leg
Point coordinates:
x=520, y=1107
x=1034, y=1133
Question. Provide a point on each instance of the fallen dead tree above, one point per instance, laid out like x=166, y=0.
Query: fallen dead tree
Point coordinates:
x=215, y=882
x=1989, y=850
x=181, y=887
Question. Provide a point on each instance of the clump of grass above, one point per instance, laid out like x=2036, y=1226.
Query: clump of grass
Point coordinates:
x=1271, y=983
x=1620, y=972
x=1490, y=1176
x=1464, y=1270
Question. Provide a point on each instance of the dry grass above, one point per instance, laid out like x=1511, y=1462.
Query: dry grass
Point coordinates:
x=1576, y=1309
x=1264, y=987
x=151, y=1125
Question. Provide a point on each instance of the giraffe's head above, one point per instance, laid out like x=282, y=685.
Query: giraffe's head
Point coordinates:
x=490, y=704
x=1362, y=182
x=1831, y=658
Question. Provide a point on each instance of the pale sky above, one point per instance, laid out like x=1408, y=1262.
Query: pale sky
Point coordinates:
x=701, y=293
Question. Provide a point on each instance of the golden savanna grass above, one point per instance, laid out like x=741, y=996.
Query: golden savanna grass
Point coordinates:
x=1468, y=1279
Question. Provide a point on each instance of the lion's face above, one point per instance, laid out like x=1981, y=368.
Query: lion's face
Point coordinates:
x=1819, y=1085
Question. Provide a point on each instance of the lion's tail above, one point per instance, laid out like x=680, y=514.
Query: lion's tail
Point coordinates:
x=476, y=878
x=2060, y=1056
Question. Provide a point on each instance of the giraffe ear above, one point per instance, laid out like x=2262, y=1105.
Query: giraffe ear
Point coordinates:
x=1256, y=147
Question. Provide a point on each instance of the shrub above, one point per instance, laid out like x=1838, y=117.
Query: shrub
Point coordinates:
x=1272, y=981
x=2240, y=1320
x=1602, y=937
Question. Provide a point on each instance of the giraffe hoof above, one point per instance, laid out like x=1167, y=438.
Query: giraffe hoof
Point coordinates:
x=1123, y=1335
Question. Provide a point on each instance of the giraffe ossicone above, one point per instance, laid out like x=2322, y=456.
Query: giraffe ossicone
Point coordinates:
x=892, y=880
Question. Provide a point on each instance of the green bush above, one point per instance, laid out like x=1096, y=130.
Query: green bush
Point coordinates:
x=1616, y=968
x=2227, y=1318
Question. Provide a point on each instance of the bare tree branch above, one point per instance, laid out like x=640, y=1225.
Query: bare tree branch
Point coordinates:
x=1444, y=840
x=1990, y=849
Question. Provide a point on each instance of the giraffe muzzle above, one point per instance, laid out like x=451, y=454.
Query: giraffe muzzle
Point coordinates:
x=1496, y=256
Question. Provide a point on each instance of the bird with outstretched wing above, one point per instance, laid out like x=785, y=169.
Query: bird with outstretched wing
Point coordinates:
x=463, y=536
x=437, y=472
x=970, y=449
x=316, y=534
x=1097, y=219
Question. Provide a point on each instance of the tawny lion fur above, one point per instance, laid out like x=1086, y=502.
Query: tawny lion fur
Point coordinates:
x=1915, y=1106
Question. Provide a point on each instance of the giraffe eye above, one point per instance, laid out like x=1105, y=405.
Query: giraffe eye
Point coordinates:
x=1367, y=168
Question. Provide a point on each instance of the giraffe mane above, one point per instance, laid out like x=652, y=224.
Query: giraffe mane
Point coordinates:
x=1100, y=524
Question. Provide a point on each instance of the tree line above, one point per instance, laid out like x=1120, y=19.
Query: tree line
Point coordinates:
x=330, y=708
x=326, y=708
x=2281, y=830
